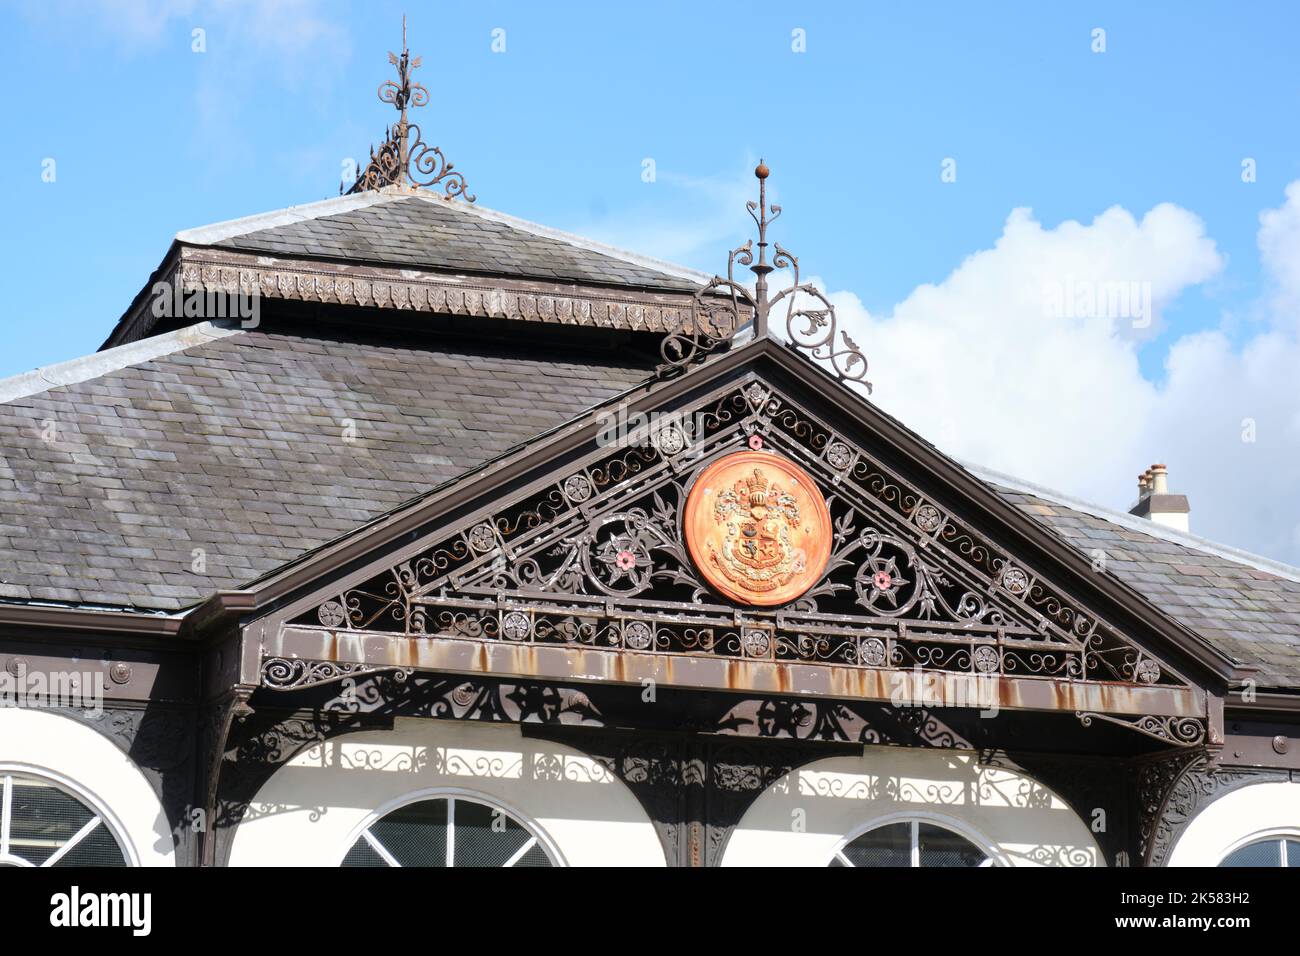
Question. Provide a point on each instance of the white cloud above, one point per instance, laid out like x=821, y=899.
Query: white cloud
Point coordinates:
x=1008, y=362
x=1025, y=358
x=1279, y=247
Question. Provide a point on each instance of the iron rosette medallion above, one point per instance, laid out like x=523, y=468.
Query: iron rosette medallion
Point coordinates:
x=758, y=528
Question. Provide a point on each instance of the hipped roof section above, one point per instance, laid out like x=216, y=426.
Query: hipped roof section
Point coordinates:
x=411, y=249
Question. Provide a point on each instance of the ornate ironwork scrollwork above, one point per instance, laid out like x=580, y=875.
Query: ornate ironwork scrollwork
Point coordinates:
x=600, y=563
x=721, y=307
x=1179, y=731
x=404, y=159
x=282, y=673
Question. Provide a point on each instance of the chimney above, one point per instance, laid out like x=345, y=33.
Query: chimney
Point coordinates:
x=1156, y=503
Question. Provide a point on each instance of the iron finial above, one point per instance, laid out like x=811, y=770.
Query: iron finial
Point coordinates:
x=719, y=306
x=763, y=215
x=404, y=159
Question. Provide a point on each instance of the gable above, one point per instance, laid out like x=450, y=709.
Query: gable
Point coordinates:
x=582, y=569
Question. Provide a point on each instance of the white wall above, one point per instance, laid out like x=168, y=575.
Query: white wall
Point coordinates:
x=1012, y=817
x=88, y=764
x=312, y=810
x=1235, y=819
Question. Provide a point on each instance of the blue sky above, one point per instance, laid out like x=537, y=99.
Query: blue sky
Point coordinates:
x=150, y=137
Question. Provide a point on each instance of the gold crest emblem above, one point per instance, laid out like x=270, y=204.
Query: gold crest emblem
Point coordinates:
x=758, y=528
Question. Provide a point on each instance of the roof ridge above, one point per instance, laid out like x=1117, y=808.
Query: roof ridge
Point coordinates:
x=570, y=238
x=1141, y=525
x=98, y=364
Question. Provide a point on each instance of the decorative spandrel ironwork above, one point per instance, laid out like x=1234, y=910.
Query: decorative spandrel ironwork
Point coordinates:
x=403, y=158
x=724, y=306
x=598, y=560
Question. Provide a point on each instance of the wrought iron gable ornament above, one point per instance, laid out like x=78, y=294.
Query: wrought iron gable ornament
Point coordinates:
x=662, y=547
x=722, y=307
x=404, y=159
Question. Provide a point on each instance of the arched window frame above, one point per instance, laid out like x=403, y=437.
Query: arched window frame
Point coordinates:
x=454, y=793
x=995, y=856
x=107, y=817
x=1267, y=835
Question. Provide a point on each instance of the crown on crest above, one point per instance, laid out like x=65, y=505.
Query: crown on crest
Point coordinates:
x=755, y=487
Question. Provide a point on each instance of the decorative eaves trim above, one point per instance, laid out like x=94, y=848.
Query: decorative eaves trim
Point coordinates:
x=210, y=270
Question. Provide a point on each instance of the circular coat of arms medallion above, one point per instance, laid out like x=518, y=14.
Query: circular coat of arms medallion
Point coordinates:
x=758, y=528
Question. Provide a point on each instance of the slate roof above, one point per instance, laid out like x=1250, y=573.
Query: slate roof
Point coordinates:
x=1243, y=607
x=236, y=446
x=232, y=442
x=428, y=232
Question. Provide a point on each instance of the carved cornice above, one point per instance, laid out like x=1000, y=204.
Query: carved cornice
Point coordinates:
x=222, y=271
x=214, y=271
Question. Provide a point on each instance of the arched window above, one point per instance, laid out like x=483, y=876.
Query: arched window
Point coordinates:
x=1275, y=851
x=448, y=831
x=43, y=824
x=910, y=843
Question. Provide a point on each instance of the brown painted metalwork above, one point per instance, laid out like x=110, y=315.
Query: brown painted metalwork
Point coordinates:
x=592, y=574
x=722, y=307
x=758, y=528
x=403, y=158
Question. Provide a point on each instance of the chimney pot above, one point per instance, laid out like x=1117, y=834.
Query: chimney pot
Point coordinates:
x=1159, y=480
x=1156, y=503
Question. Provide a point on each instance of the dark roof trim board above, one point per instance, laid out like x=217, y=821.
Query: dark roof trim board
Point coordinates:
x=388, y=537
x=519, y=271
x=98, y=620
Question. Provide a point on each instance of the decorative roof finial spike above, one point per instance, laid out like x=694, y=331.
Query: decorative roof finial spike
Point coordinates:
x=720, y=307
x=404, y=159
x=762, y=268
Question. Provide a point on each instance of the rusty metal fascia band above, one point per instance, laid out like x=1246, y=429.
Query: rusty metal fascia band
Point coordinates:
x=558, y=662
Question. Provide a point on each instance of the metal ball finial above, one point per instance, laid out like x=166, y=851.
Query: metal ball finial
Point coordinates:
x=761, y=170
